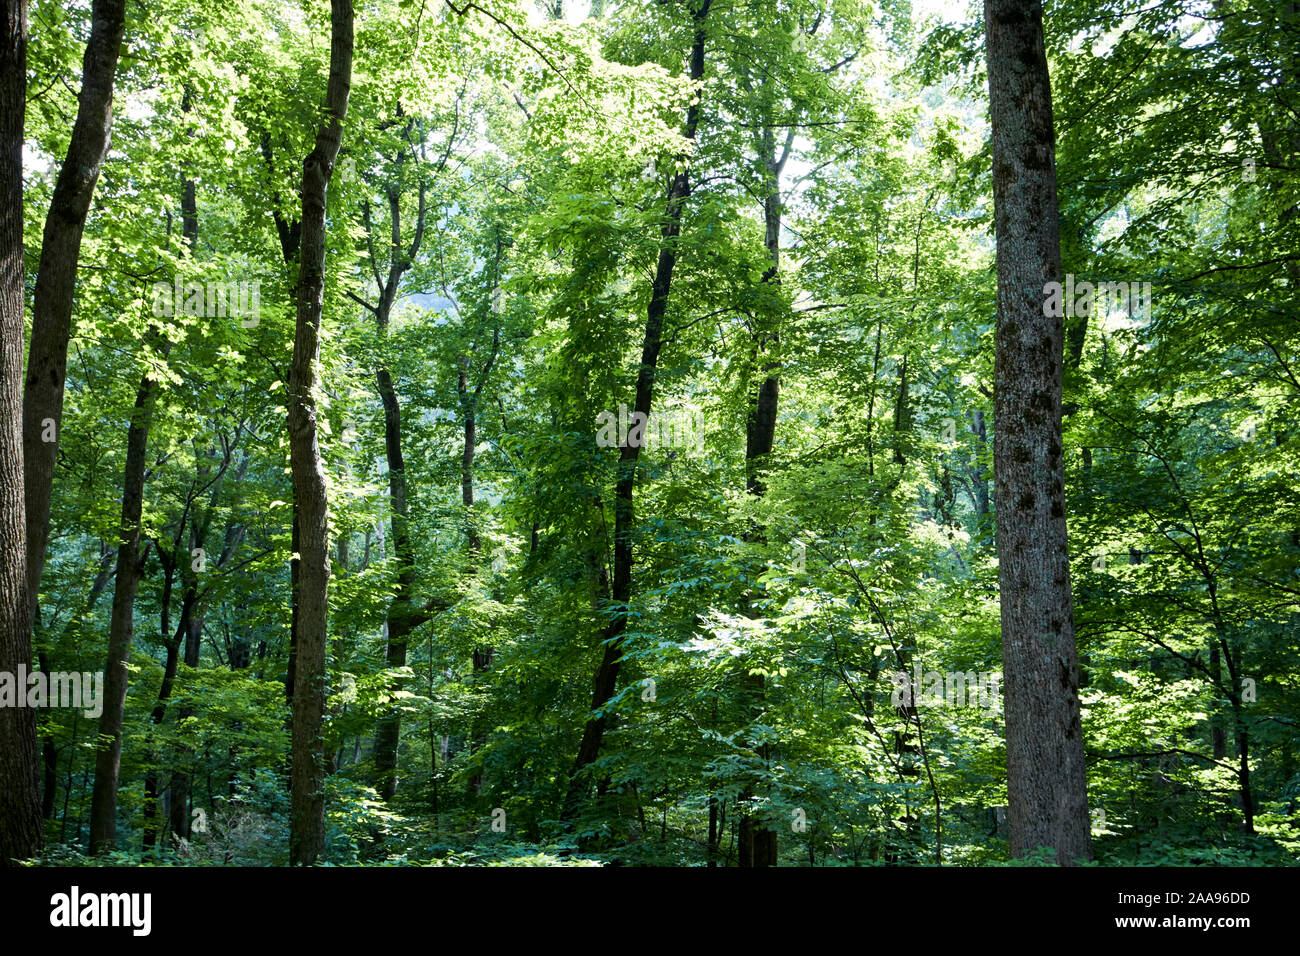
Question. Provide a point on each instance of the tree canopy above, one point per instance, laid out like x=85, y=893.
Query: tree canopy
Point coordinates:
x=561, y=434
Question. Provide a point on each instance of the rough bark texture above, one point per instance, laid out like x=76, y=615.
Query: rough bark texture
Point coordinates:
x=21, y=830
x=607, y=674
x=1046, y=783
x=57, y=274
x=307, y=798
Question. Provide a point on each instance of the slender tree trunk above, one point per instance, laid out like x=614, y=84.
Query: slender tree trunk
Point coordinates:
x=607, y=674
x=57, y=274
x=21, y=830
x=108, y=752
x=289, y=233
x=150, y=837
x=1046, y=781
x=402, y=613
x=179, y=816
x=307, y=798
x=170, y=667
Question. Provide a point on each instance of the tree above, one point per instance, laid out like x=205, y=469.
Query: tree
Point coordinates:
x=307, y=834
x=770, y=229
x=404, y=613
x=21, y=831
x=1046, y=780
x=661, y=287
x=56, y=276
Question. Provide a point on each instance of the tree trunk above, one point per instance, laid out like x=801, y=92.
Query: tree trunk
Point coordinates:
x=403, y=615
x=307, y=798
x=170, y=667
x=388, y=734
x=179, y=822
x=57, y=274
x=757, y=844
x=21, y=830
x=607, y=674
x=1046, y=781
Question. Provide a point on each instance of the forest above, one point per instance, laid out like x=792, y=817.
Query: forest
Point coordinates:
x=649, y=433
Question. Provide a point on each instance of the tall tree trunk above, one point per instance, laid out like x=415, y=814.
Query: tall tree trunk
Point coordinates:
x=621, y=593
x=179, y=821
x=108, y=752
x=150, y=837
x=170, y=667
x=57, y=274
x=289, y=232
x=403, y=614
x=307, y=797
x=1046, y=782
x=21, y=830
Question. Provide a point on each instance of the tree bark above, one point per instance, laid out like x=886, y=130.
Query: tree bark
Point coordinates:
x=607, y=674
x=56, y=276
x=108, y=752
x=170, y=667
x=1046, y=781
x=179, y=819
x=403, y=614
x=307, y=797
x=21, y=829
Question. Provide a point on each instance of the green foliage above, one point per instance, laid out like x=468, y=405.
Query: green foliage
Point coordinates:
x=536, y=159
